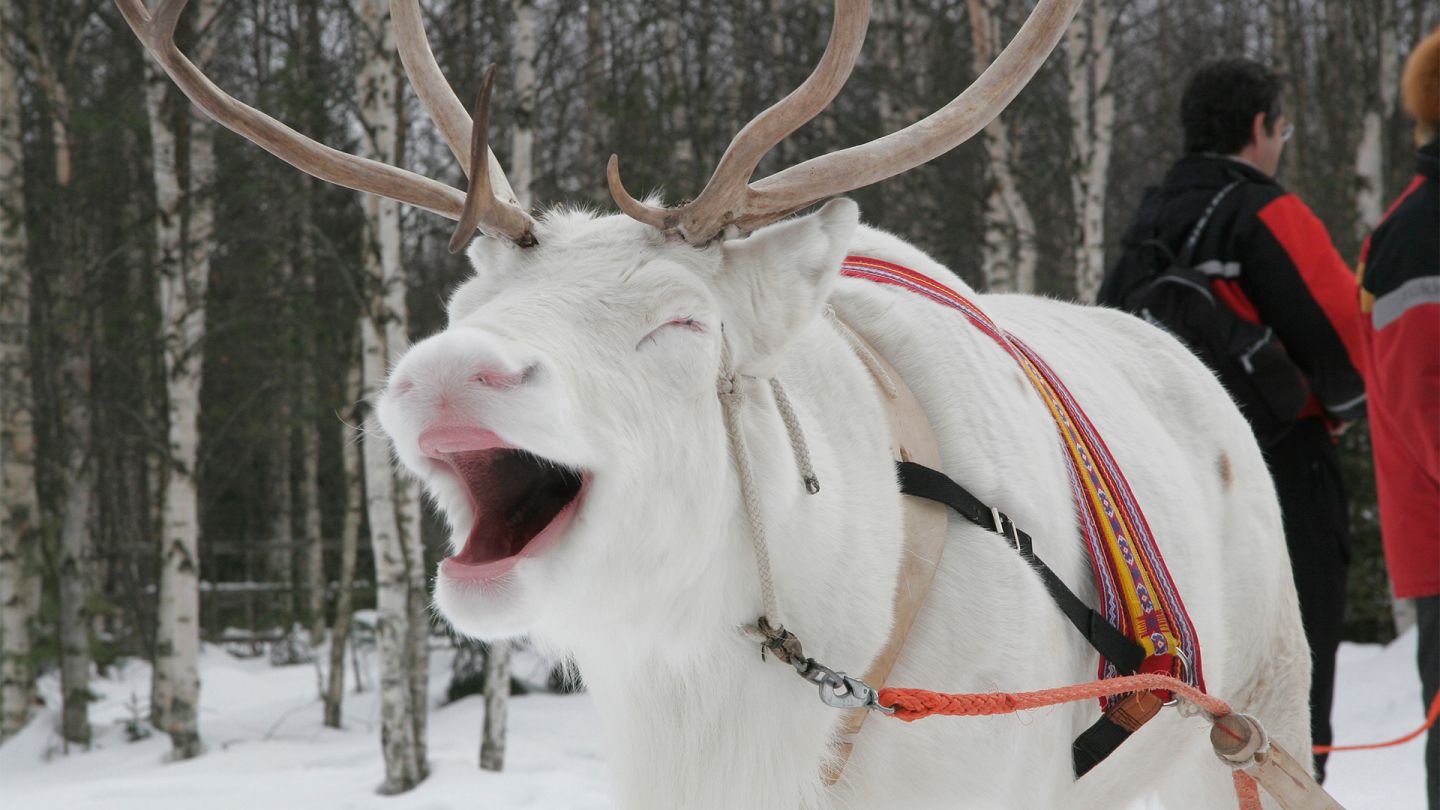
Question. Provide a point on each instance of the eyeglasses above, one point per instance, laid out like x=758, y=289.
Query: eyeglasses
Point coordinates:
x=1286, y=132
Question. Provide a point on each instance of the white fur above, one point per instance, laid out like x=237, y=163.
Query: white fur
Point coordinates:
x=649, y=586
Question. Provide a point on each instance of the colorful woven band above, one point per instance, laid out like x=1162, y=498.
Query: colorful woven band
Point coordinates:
x=1137, y=594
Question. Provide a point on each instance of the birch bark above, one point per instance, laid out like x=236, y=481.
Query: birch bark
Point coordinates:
x=183, y=232
x=314, y=561
x=1288, y=54
x=19, y=503
x=281, y=556
x=592, y=124
x=1008, y=255
x=522, y=175
x=392, y=505
x=1090, y=54
x=1370, y=151
x=74, y=472
x=672, y=41
x=78, y=474
x=349, y=543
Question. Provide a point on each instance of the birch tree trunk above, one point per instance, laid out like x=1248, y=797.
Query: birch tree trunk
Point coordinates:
x=19, y=503
x=392, y=510
x=888, y=57
x=1370, y=151
x=1090, y=54
x=281, y=556
x=314, y=561
x=1008, y=254
x=79, y=481
x=75, y=473
x=183, y=232
x=349, y=543
x=1288, y=54
x=593, y=126
x=522, y=174
x=672, y=41
x=408, y=506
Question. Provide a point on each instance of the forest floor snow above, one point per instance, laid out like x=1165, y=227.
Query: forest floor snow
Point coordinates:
x=266, y=747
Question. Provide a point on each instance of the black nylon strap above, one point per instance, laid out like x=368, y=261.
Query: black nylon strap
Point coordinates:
x=1187, y=251
x=1114, y=646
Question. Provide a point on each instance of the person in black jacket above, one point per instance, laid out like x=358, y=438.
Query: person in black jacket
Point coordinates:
x=1271, y=261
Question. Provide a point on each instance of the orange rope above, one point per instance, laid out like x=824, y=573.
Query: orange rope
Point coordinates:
x=913, y=704
x=1429, y=721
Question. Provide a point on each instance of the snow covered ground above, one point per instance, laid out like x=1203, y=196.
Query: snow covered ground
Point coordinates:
x=266, y=747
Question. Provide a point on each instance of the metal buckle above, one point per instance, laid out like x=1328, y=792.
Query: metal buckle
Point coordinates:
x=1001, y=519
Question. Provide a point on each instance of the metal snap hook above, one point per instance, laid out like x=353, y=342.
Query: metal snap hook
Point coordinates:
x=844, y=692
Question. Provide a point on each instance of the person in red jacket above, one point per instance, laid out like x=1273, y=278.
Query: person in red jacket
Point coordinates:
x=1270, y=260
x=1400, y=301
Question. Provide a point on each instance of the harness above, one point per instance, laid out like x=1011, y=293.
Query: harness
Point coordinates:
x=1141, y=627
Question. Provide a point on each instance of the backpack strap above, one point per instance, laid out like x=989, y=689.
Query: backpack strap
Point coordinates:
x=1187, y=252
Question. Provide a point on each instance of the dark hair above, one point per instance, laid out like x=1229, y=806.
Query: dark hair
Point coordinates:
x=1221, y=102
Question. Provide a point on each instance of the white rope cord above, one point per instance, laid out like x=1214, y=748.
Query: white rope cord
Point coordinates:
x=731, y=398
x=797, y=438
x=862, y=350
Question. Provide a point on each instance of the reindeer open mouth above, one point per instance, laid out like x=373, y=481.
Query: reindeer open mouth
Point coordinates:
x=521, y=503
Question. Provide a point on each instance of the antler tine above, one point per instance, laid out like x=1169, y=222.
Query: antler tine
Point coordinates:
x=725, y=195
x=794, y=188
x=157, y=32
x=435, y=93
x=481, y=203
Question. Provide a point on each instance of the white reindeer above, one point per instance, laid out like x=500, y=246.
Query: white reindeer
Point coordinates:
x=567, y=424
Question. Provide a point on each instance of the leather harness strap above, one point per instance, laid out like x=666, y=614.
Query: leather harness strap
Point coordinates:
x=911, y=440
x=917, y=454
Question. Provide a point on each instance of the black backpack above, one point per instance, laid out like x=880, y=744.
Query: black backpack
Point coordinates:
x=1247, y=358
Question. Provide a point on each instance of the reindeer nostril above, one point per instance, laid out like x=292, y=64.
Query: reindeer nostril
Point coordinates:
x=494, y=378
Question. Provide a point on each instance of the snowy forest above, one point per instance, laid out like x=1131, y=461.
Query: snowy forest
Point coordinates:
x=190, y=329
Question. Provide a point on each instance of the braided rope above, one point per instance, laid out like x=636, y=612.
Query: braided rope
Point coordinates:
x=863, y=351
x=731, y=398
x=913, y=704
x=797, y=437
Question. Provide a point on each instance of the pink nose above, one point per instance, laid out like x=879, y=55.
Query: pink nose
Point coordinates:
x=438, y=440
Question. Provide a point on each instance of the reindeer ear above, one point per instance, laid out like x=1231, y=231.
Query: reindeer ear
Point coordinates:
x=776, y=281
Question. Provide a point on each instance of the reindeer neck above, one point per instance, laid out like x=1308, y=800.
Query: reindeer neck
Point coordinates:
x=695, y=718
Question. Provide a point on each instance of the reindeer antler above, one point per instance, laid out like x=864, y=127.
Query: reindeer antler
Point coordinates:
x=438, y=99
x=482, y=204
x=156, y=30
x=729, y=199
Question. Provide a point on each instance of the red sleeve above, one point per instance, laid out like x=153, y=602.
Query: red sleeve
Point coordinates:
x=1302, y=289
x=1329, y=279
x=1407, y=370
